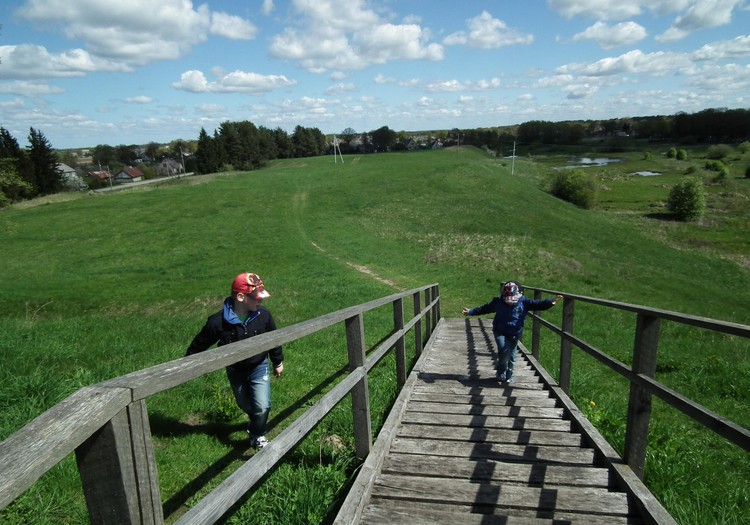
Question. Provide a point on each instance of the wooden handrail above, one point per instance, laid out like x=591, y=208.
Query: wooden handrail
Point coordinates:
x=107, y=424
x=641, y=374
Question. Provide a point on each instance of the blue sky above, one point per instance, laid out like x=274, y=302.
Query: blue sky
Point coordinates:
x=88, y=72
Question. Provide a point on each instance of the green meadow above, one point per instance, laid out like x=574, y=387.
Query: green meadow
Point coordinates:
x=99, y=285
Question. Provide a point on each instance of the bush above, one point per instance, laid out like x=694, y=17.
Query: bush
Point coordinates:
x=576, y=187
x=687, y=199
x=672, y=153
x=744, y=147
x=714, y=165
x=718, y=151
x=722, y=176
x=682, y=155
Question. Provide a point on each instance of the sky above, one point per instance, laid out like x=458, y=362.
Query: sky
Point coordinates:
x=121, y=72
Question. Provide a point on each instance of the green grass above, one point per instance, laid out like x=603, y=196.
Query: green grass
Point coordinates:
x=97, y=286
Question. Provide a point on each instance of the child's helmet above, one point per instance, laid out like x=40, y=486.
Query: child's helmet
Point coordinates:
x=511, y=292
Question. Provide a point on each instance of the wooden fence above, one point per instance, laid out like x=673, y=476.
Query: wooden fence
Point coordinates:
x=107, y=425
x=641, y=375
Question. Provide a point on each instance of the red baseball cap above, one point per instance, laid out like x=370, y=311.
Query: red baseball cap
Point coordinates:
x=250, y=284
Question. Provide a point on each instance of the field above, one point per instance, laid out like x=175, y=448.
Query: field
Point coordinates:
x=95, y=286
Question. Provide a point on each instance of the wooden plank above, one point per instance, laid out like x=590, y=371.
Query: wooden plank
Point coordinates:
x=463, y=492
x=491, y=435
x=487, y=469
x=29, y=453
x=481, y=409
x=485, y=421
x=497, y=451
x=395, y=512
x=485, y=399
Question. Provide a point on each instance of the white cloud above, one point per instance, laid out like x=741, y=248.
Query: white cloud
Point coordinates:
x=631, y=62
x=598, y=9
x=341, y=88
x=267, y=7
x=487, y=32
x=234, y=82
x=232, y=27
x=608, y=37
x=32, y=61
x=133, y=32
x=734, y=49
x=28, y=89
x=455, y=85
x=344, y=35
x=382, y=79
x=139, y=100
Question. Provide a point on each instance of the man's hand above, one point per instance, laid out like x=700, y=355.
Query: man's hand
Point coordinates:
x=278, y=370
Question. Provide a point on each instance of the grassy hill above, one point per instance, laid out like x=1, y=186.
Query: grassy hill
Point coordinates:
x=104, y=284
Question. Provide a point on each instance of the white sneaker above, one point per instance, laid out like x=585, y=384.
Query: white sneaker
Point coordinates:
x=258, y=442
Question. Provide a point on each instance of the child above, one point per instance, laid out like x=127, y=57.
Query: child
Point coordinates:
x=241, y=317
x=510, y=309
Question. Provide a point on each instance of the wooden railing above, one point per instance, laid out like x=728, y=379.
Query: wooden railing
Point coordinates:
x=107, y=424
x=641, y=375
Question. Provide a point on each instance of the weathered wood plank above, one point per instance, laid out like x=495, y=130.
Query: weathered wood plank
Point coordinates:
x=486, y=469
x=29, y=453
x=419, y=513
x=484, y=398
x=497, y=451
x=417, y=405
x=491, y=435
x=566, y=499
x=485, y=421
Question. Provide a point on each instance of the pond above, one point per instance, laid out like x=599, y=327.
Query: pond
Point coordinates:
x=587, y=162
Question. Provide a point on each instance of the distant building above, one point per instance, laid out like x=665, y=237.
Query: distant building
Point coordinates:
x=129, y=174
x=169, y=167
x=70, y=177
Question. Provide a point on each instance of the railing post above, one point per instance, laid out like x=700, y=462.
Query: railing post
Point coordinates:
x=398, y=325
x=436, y=308
x=427, y=317
x=536, y=327
x=639, y=404
x=566, y=345
x=418, y=340
x=118, y=471
x=355, y=345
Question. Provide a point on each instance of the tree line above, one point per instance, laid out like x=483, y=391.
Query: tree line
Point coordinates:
x=245, y=146
x=30, y=172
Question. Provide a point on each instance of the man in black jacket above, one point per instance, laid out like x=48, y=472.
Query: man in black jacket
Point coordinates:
x=242, y=316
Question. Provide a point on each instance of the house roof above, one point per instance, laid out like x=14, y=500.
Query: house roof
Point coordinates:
x=133, y=173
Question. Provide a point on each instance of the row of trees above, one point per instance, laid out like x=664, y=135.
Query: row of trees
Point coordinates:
x=26, y=173
x=245, y=146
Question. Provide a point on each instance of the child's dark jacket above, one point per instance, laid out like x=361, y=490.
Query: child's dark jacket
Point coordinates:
x=225, y=327
x=509, y=319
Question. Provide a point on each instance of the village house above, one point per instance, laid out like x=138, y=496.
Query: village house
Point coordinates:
x=129, y=174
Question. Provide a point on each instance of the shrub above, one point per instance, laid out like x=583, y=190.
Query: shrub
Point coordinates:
x=576, y=187
x=744, y=147
x=722, y=176
x=672, y=153
x=687, y=199
x=718, y=151
x=647, y=155
x=714, y=165
x=690, y=169
x=682, y=155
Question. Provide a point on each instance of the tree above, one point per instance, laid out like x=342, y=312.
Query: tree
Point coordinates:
x=576, y=187
x=12, y=186
x=687, y=199
x=9, y=149
x=44, y=163
x=206, y=158
x=383, y=138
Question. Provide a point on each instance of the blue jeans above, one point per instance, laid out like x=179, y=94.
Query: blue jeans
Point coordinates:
x=253, y=395
x=506, y=353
